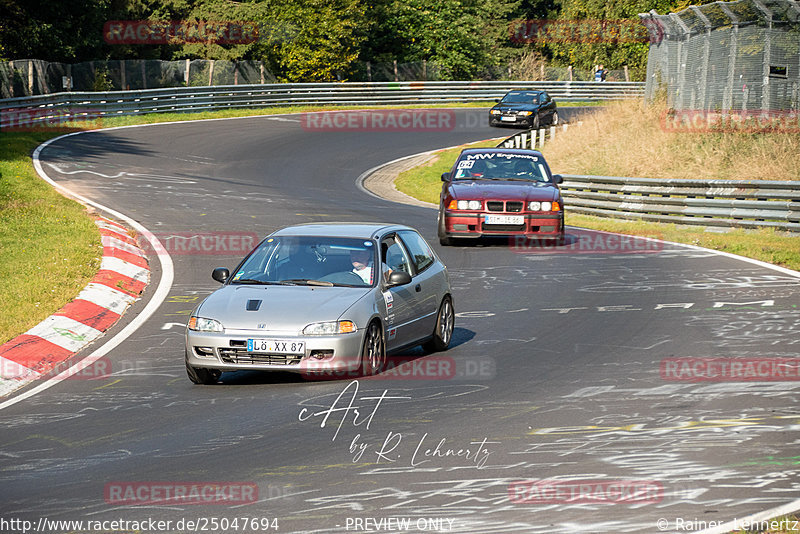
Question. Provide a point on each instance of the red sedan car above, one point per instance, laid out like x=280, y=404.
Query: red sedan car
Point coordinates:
x=500, y=192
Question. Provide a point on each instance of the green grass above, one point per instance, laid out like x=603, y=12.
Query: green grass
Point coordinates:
x=49, y=246
x=424, y=183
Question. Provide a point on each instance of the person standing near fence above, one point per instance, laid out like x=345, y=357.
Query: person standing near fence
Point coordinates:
x=600, y=74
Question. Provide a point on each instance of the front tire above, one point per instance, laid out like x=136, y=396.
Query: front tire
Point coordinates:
x=554, y=122
x=445, y=324
x=373, y=353
x=444, y=240
x=534, y=122
x=199, y=375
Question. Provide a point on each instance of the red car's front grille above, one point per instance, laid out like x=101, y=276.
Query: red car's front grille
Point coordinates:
x=499, y=205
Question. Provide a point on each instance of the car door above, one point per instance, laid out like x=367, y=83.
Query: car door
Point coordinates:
x=426, y=283
x=400, y=301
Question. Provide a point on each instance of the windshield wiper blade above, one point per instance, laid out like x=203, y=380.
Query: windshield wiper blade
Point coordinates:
x=308, y=282
x=257, y=282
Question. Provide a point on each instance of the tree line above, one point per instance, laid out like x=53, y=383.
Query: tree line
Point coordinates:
x=328, y=40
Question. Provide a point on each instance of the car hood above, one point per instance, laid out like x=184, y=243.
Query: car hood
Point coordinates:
x=282, y=308
x=516, y=107
x=498, y=189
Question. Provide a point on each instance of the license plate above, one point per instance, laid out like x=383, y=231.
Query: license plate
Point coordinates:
x=503, y=219
x=508, y=119
x=276, y=346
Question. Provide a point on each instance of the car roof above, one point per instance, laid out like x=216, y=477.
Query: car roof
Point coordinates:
x=527, y=91
x=363, y=230
x=491, y=150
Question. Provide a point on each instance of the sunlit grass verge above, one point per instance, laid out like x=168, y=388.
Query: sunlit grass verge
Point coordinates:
x=49, y=247
x=632, y=139
x=424, y=183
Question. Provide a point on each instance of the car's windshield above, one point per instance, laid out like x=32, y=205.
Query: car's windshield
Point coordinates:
x=315, y=261
x=520, y=98
x=501, y=166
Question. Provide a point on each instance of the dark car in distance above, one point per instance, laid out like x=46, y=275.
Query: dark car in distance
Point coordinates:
x=531, y=109
x=500, y=192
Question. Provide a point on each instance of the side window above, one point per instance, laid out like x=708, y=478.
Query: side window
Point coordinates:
x=421, y=254
x=394, y=256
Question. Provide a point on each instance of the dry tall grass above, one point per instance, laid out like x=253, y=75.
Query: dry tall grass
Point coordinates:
x=629, y=139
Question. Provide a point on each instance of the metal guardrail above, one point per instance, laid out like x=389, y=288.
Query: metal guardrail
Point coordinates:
x=63, y=107
x=721, y=203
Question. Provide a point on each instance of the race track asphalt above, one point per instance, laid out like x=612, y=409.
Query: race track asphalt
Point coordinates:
x=561, y=362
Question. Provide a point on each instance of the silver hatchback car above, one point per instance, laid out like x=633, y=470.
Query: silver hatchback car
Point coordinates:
x=323, y=299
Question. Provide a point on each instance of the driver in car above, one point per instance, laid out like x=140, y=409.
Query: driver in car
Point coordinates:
x=361, y=264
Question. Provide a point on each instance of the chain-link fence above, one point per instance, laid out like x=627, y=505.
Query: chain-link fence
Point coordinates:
x=28, y=77
x=742, y=55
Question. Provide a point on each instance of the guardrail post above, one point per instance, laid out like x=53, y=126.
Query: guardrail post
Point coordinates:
x=552, y=132
x=541, y=137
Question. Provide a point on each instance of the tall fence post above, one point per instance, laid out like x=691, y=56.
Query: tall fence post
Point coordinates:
x=122, y=78
x=211, y=74
x=144, y=75
x=186, y=77
x=30, y=77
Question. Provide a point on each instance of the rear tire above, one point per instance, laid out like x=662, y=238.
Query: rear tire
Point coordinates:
x=443, y=331
x=373, y=352
x=199, y=375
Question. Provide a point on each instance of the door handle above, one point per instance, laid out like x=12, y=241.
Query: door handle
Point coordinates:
x=417, y=288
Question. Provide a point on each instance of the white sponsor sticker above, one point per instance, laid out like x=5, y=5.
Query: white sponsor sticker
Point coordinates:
x=388, y=299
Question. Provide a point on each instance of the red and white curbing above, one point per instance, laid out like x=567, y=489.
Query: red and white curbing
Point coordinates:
x=122, y=277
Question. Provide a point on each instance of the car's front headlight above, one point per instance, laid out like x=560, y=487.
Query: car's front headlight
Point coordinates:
x=535, y=206
x=469, y=204
x=329, y=328
x=495, y=112
x=201, y=324
x=524, y=113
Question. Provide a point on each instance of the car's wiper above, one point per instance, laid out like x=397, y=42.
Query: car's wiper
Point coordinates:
x=308, y=282
x=258, y=282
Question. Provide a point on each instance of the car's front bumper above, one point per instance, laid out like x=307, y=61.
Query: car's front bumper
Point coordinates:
x=473, y=225
x=228, y=352
x=510, y=120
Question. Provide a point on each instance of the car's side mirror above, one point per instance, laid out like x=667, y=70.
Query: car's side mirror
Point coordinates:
x=557, y=178
x=220, y=274
x=445, y=176
x=399, y=278
x=497, y=100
